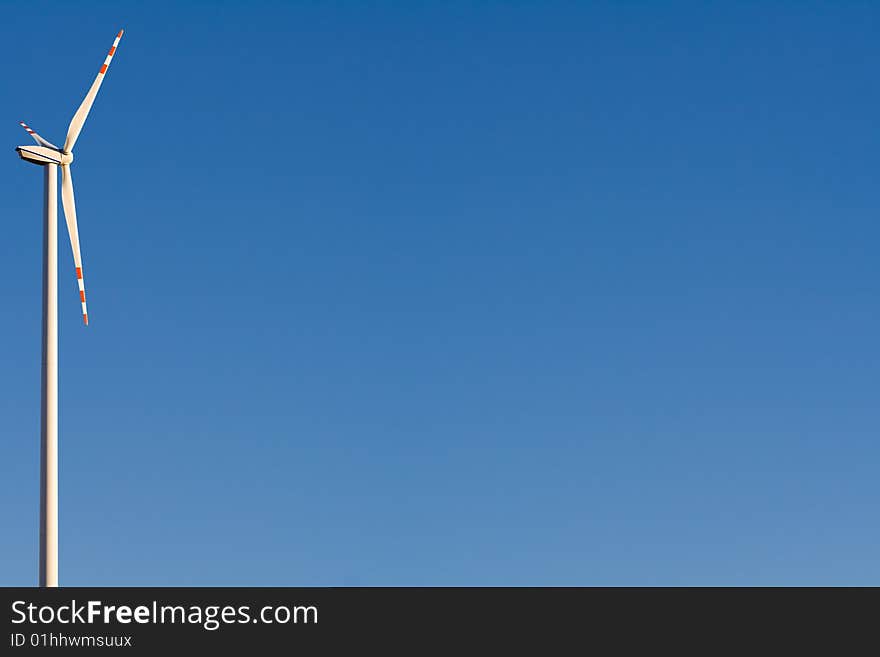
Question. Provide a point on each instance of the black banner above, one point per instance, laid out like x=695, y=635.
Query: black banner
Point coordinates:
x=415, y=620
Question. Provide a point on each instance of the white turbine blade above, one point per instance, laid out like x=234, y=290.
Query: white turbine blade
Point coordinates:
x=73, y=231
x=76, y=123
x=37, y=138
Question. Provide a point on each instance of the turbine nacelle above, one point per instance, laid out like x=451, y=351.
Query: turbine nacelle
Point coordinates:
x=43, y=155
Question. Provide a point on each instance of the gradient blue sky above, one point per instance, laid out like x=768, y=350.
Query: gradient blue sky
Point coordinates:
x=480, y=293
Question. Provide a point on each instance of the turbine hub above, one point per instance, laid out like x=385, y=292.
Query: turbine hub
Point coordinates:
x=66, y=158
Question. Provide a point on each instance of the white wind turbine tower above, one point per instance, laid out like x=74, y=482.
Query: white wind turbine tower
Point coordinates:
x=50, y=156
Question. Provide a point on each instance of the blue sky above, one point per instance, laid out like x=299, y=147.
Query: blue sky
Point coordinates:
x=472, y=293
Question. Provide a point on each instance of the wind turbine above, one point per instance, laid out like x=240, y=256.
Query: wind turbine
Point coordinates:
x=48, y=155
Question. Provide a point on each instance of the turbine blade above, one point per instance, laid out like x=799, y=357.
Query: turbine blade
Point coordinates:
x=37, y=138
x=73, y=231
x=76, y=123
